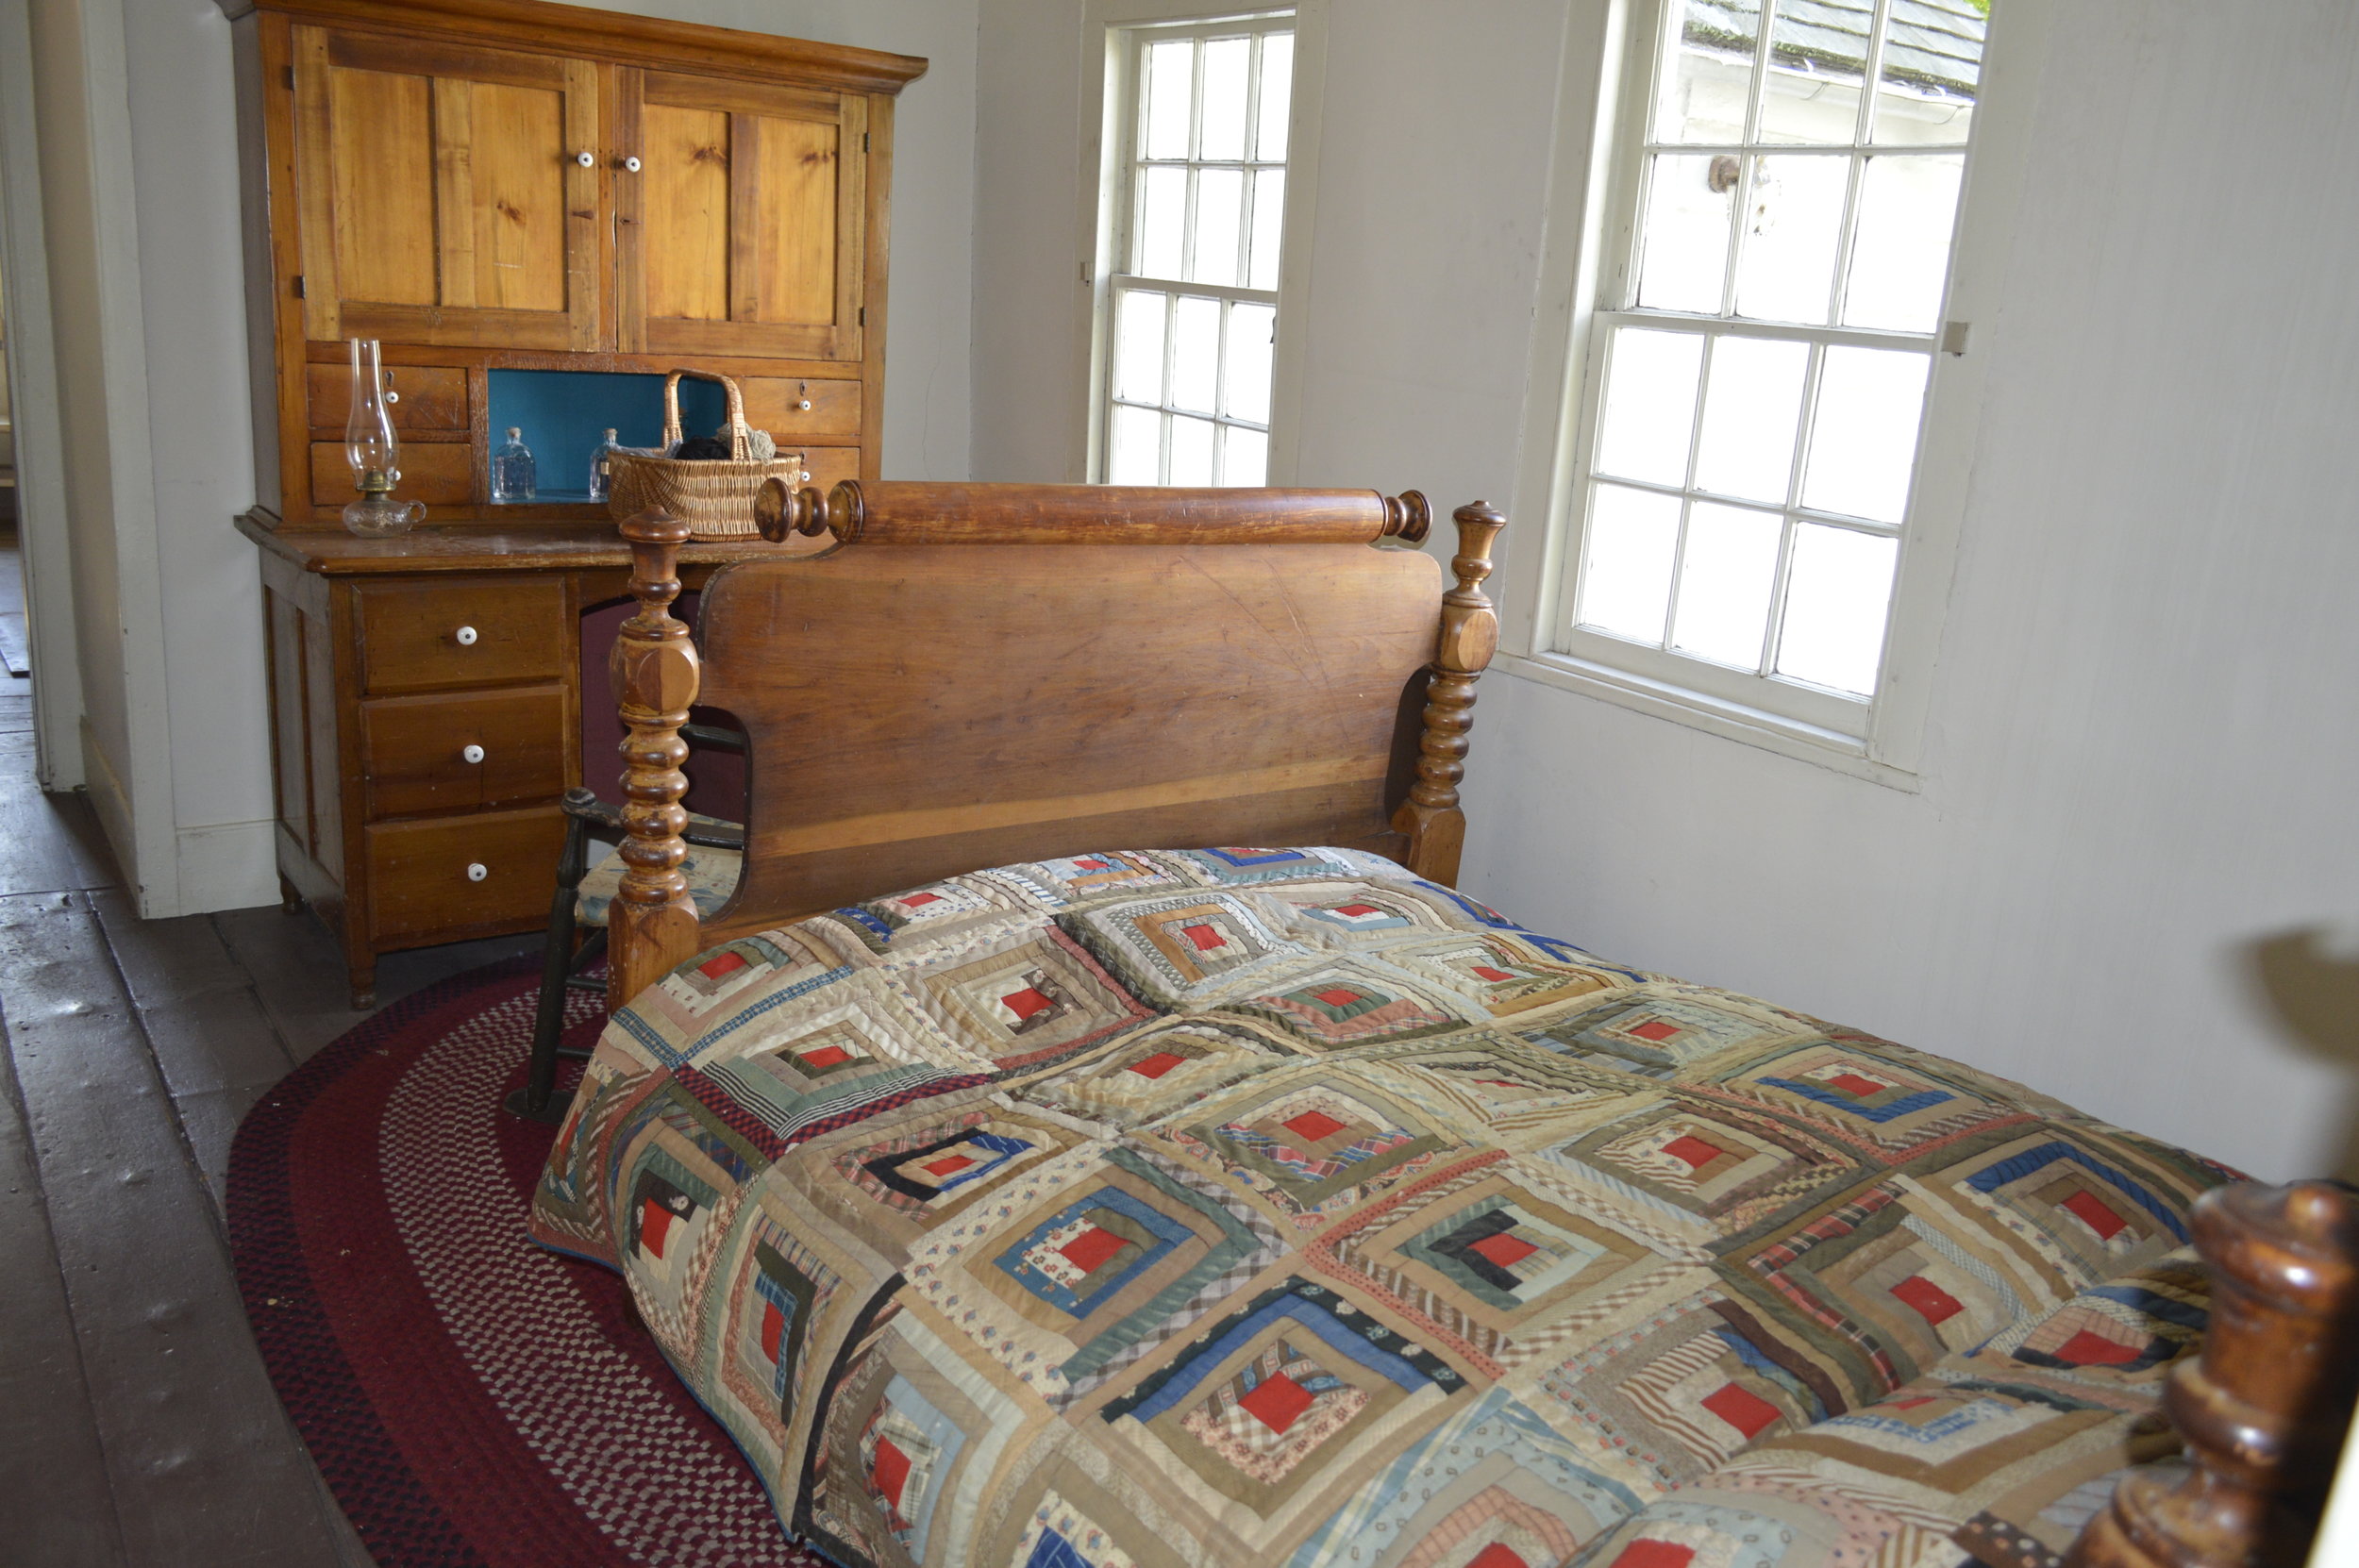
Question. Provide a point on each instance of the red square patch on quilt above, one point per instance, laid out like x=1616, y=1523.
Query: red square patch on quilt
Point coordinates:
x=1485, y=972
x=2091, y=1210
x=1852, y=1083
x=1694, y=1150
x=1336, y=996
x=1089, y=1250
x=1158, y=1064
x=2091, y=1349
x=1933, y=1304
x=1277, y=1402
x=950, y=1164
x=1356, y=910
x=918, y=900
x=891, y=1472
x=1654, y=1554
x=773, y=1329
x=1655, y=1028
x=720, y=964
x=1025, y=1003
x=655, y=1227
x=1741, y=1408
x=1091, y=865
x=1204, y=937
x=1506, y=1249
x=1496, y=1555
x=826, y=1055
x=1311, y=1125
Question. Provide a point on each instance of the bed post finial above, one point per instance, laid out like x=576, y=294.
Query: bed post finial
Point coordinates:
x=2263, y=1406
x=652, y=923
x=1435, y=826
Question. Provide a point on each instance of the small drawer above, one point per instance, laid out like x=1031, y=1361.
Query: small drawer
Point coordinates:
x=463, y=752
x=772, y=404
x=466, y=631
x=439, y=473
x=420, y=397
x=453, y=874
x=828, y=466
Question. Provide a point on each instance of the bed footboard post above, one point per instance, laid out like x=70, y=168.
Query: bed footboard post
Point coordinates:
x=2264, y=1406
x=1436, y=828
x=651, y=926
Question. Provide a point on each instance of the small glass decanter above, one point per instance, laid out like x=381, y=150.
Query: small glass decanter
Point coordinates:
x=600, y=475
x=373, y=451
x=511, y=470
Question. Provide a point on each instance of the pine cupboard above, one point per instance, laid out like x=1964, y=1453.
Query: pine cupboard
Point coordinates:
x=489, y=186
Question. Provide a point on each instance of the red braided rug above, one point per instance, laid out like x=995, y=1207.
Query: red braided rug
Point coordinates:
x=469, y=1398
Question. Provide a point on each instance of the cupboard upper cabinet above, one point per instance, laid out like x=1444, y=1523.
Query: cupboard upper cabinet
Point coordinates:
x=449, y=194
x=741, y=229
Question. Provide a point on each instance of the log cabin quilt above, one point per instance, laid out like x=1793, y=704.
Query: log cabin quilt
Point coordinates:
x=1275, y=1207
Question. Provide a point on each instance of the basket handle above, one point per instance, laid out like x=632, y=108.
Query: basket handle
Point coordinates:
x=741, y=446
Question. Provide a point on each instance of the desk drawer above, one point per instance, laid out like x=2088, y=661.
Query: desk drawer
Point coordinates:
x=419, y=880
x=464, y=751
x=469, y=631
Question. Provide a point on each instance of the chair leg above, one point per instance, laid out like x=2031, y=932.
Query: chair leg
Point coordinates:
x=538, y=1100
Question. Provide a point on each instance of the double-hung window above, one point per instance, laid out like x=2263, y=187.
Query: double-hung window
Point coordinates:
x=1759, y=359
x=1188, y=316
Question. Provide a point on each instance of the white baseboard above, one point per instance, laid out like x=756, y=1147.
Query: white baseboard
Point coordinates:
x=227, y=865
x=111, y=802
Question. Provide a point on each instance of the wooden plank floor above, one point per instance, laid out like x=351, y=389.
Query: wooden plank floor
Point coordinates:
x=137, y=1426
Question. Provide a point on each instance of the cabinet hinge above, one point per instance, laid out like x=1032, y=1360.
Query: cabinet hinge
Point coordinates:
x=863, y=142
x=298, y=286
x=290, y=78
x=863, y=316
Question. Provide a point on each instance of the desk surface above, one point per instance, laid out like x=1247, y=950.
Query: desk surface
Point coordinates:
x=483, y=547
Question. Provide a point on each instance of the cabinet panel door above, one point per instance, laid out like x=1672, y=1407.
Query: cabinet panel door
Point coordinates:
x=743, y=227
x=441, y=197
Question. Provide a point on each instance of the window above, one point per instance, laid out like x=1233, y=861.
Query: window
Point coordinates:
x=1762, y=345
x=1188, y=320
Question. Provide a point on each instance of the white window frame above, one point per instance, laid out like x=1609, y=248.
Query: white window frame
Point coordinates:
x=1109, y=107
x=1602, y=102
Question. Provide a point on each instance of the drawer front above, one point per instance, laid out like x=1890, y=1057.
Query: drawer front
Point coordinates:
x=772, y=404
x=463, y=752
x=419, y=881
x=828, y=466
x=468, y=631
x=422, y=397
x=441, y=474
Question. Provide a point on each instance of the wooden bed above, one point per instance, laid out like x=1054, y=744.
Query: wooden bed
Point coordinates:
x=975, y=675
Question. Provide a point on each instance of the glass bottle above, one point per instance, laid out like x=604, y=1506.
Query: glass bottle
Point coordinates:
x=511, y=470
x=374, y=450
x=599, y=474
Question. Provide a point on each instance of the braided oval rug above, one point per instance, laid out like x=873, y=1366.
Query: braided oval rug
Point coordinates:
x=471, y=1398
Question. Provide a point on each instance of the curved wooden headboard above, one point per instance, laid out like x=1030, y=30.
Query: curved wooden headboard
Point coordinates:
x=977, y=674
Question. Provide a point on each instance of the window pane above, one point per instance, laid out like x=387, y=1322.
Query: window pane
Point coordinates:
x=1625, y=585
x=1649, y=405
x=1863, y=444
x=1191, y=451
x=1220, y=137
x=1139, y=346
x=1170, y=70
x=1269, y=227
x=1194, y=354
x=1137, y=455
x=1162, y=220
x=1244, y=456
x=1251, y=328
x=1838, y=591
x=1753, y=408
x=1219, y=206
x=1933, y=74
x=1729, y=570
x=1707, y=70
x=1900, y=242
x=1686, y=254
x=1278, y=80
x=1794, y=228
x=1816, y=108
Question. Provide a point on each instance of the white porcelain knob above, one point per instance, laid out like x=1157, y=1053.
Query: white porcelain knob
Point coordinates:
x=391, y=396
x=476, y=871
x=631, y=165
x=471, y=754
x=588, y=161
x=466, y=637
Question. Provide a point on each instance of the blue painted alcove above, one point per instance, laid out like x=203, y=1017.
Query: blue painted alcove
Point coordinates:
x=563, y=415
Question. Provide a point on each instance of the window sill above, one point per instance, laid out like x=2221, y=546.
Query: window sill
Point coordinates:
x=1827, y=748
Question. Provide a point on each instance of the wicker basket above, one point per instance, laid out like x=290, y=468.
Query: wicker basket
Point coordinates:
x=714, y=496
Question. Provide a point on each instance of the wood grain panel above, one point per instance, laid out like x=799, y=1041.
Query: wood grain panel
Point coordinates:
x=381, y=173
x=795, y=221
x=441, y=474
x=429, y=397
x=1028, y=700
x=418, y=881
x=519, y=157
x=685, y=245
x=409, y=633
x=416, y=749
x=770, y=404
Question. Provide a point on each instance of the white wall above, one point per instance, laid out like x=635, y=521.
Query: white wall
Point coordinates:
x=2141, y=753
x=200, y=836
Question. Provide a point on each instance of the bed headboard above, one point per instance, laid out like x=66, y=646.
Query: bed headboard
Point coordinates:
x=976, y=674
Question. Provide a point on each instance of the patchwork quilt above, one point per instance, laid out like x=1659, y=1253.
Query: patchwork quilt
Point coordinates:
x=1241, y=1207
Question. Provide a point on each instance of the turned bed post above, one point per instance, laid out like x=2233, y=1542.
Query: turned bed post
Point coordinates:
x=1431, y=817
x=2264, y=1405
x=651, y=924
